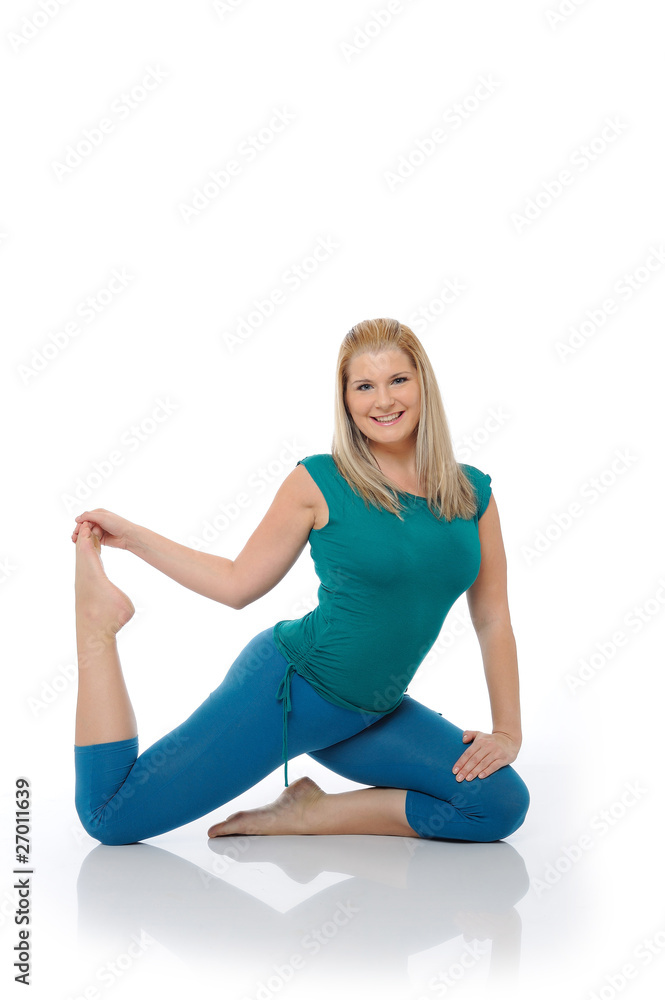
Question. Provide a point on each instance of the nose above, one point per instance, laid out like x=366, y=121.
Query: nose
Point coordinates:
x=384, y=399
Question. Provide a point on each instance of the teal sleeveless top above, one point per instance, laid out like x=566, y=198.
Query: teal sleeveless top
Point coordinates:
x=386, y=587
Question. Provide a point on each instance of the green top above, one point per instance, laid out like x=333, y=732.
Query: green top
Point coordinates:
x=386, y=588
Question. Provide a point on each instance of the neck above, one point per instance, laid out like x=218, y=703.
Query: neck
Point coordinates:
x=400, y=458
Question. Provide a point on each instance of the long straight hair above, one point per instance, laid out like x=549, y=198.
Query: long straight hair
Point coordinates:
x=442, y=481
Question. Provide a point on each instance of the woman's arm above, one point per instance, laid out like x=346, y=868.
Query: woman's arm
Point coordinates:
x=202, y=572
x=499, y=653
x=266, y=558
x=487, y=598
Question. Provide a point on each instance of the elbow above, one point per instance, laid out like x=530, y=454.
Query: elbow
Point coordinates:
x=239, y=597
x=231, y=601
x=243, y=602
x=238, y=601
x=231, y=595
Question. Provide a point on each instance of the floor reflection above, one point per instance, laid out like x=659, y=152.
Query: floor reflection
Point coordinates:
x=337, y=907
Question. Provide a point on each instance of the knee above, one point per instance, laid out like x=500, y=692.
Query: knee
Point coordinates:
x=510, y=806
x=110, y=838
x=100, y=826
x=113, y=838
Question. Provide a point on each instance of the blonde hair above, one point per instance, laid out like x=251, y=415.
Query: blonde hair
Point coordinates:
x=448, y=491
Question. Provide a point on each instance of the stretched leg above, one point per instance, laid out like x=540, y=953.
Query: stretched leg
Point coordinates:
x=103, y=709
x=229, y=743
x=414, y=749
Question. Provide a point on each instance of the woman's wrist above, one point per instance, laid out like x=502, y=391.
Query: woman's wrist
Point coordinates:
x=133, y=539
x=513, y=734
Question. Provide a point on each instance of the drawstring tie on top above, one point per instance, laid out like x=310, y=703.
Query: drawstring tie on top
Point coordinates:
x=284, y=695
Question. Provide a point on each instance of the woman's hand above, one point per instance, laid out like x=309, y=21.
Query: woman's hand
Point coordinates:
x=109, y=528
x=487, y=753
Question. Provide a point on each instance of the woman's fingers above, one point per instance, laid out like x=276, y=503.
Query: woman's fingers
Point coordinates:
x=95, y=527
x=489, y=763
x=103, y=524
x=464, y=760
x=468, y=767
x=92, y=515
x=485, y=755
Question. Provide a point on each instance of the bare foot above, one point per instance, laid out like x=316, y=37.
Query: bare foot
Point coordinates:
x=100, y=605
x=290, y=813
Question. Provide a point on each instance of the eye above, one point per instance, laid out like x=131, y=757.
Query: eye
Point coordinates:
x=400, y=378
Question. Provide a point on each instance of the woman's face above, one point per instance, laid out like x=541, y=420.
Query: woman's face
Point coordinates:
x=384, y=385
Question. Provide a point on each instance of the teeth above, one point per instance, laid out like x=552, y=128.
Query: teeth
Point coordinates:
x=387, y=420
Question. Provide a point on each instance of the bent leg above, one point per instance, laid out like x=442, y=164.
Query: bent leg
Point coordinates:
x=415, y=748
x=228, y=744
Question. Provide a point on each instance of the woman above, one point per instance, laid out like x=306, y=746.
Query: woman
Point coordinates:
x=398, y=530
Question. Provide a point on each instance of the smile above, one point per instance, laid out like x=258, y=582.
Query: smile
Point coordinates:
x=388, y=421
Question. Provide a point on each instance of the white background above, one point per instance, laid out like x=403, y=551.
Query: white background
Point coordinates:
x=475, y=214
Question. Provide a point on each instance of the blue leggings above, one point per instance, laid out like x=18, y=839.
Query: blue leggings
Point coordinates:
x=234, y=739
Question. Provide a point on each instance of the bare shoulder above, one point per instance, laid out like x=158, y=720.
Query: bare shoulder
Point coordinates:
x=301, y=483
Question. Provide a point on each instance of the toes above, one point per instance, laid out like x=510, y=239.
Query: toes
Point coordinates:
x=87, y=531
x=223, y=828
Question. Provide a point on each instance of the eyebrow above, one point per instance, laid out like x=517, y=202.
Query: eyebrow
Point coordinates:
x=355, y=381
